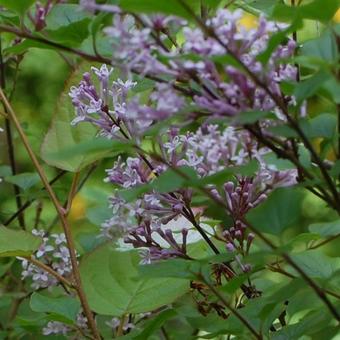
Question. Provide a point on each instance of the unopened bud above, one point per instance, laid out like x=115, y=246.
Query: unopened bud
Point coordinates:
x=230, y=247
x=229, y=187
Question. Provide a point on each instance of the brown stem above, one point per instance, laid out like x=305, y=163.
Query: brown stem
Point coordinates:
x=72, y=192
x=10, y=145
x=327, y=240
x=49, y=270
x=61, y=213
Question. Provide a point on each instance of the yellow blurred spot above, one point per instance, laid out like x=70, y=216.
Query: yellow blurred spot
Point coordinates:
x=78, y=208
x=248, y=21
x=336, y=17
x=152, y=176
x=331, y=156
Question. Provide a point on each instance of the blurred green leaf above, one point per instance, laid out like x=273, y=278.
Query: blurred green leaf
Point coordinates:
x=316, y=264
x=278, y=212
x=67, y=24
x=25, y=45
x=19, y=6
x=310, y=86
x=171, y=179
x=223, y=176
x=151, y=326
x=62, y=308
x=113, y=286
x=17, y=242
x=326, y=229
x=323, y=125
x=321, y=10
x=323, y=48
x=93, y=149
x=251, y=117
x=166, y=7
x=175, y=268
x=25, y=180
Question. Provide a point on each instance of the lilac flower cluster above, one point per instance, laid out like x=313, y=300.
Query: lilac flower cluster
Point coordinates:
x=225, y=92
x=108, y=106
x=57, y=327
x=209, y=150
x=213, y=88
x=53, y=252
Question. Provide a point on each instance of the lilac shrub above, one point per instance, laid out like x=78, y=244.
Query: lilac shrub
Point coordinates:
x=209, y=153
x=121, y=114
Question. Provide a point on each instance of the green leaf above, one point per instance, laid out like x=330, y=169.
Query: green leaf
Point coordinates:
x=316, y=264
x=323, y=125
x=309, y=87
x=19, y=6
x=166, y=7
x=151, y=326
x=113, y=286
x=223, y=176
x=25, y=180
x=321, y=10
x=68, y=24
x=326, y=229
x=278, y=212
x=171, y=180
x=272, y=159
x=251, y=117
x=175, y=268
x=95, y=149
x=62, y=136
x=131, y=194
x=25, y=45
x=322, y=49
x=17, y=242
x=63, y=308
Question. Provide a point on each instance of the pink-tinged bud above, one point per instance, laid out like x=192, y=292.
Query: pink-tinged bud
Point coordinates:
x=177, y=207
x=246, y=268
x=226, y=234
x=250, y=237
x=260, y=199
x=184, y=232
x=87, y=76
x=238, y=234
x=229, y=187
x=230, y=247
x=235, y=196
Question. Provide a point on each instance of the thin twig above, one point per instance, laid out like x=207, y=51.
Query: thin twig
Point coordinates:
x=72, y=192
x=49, y=270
